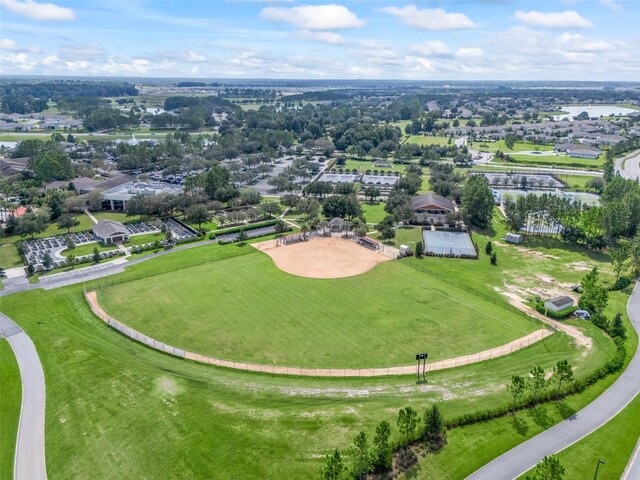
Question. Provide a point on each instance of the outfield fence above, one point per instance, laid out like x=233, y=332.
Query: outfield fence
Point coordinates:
x=518, y=344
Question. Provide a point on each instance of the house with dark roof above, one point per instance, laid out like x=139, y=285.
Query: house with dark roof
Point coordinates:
x=110, y=232
x=558, y=304
x=431, y=208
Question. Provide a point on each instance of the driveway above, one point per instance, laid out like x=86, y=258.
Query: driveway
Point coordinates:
x=518, y=460
x=29, y=456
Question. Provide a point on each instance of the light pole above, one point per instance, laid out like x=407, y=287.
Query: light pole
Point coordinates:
x=601, y=461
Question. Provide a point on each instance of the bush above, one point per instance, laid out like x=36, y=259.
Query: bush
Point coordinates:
x=621, y=283
x=244, y=228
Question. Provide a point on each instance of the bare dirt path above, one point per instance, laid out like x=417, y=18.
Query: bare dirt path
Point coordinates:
x=533, y=337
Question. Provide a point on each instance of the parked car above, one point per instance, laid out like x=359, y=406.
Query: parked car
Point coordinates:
x=583, y=314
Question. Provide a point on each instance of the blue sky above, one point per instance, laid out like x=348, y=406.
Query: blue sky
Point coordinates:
x=445, y=39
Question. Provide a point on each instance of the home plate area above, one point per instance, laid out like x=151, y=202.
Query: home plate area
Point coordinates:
x=326, y=257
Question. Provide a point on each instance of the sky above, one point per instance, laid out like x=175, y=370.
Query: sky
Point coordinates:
x=578, y=40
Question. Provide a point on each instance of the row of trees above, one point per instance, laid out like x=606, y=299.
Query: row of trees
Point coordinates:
x=536, y=383
x=378, y=456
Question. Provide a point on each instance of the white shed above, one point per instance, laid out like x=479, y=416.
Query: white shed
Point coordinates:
x=513, y=238
x=558, y=304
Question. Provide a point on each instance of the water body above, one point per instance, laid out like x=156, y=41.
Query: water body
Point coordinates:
x=593, y=111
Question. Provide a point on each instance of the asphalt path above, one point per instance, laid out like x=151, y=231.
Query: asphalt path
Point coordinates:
x=629, y=165
x=29, y=456
x=520, y=459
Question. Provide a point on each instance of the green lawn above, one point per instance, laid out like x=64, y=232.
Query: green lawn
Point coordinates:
x=576, y=182
x=87, y=249
x=517, y=147
x=404, y=236
x=116, y=409
x=555, y=160
x=424, y=140
x=334, y=323
x=144, y=238
x=373, y=212
x=116, y=216
x=11, y=390
x=9, y=257
x=364, y=165
x=52, y=230
x=613, y=442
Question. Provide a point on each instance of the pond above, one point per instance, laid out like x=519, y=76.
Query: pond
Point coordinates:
x=593, y=111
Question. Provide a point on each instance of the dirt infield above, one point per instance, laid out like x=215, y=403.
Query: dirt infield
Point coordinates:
x=322, y=257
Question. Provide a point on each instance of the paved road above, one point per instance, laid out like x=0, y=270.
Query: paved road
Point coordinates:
x=29, y=456
x=629, y=165
x=632, y=470
x=518, y=460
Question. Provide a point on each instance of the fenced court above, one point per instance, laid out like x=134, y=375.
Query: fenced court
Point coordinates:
x=448, y=244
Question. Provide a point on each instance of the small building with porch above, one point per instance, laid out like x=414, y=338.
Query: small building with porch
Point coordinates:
x=337, y=224
x=110, y=232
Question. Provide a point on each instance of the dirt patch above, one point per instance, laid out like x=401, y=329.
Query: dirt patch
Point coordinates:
x=537, y=253
x=580, y=266
x=167, y=386
x=518, y=295
x=325, y=258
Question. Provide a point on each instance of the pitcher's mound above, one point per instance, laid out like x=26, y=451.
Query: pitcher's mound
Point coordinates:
x=323, y=257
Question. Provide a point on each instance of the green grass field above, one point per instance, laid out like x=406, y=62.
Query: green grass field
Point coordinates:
x=11, y=391
x=373, y=212
x=424, y=140
x=613, y=442
x=404, y=236
x=364, y=165
x=52, y=230
x=9, y=257
x=116, y=409
x=517, y=147
x=334, y=323
x=144, y=238
x=555, y=160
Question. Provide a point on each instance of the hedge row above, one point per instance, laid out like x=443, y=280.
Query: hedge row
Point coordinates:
x=612, y=366
x=243, y=228
x=561, y=315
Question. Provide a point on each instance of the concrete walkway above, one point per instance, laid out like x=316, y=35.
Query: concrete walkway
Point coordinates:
x=29, y=456
x=90, y=215
x=520, y=459
x=533, y=337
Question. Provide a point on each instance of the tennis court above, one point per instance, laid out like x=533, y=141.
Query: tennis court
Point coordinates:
x=448, y=244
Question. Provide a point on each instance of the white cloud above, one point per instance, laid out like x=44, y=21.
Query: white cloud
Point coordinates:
x=195, y=57
x=314, y=17
x=435, y=19
x=431, y=48
x=326, y=37
x=38, y=11
x=8, y=45
x=472, y=52
x=579, y=43
x=50, y=59
x=612, y=5
x=554, y=20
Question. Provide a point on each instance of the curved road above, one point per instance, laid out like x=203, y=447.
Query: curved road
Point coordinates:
x=629, y=166
x=29, y=457
x=520, y=459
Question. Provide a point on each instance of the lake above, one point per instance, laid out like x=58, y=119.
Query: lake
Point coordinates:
x=593, y=111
